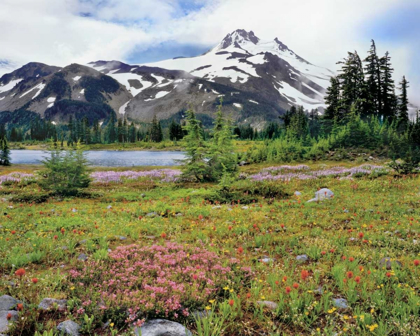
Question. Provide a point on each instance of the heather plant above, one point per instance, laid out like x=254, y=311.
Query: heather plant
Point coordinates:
x=164, y=281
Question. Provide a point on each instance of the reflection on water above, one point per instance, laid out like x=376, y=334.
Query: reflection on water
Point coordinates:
x=107, y=158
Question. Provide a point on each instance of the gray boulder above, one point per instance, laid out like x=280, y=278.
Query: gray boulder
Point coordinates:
x=8, y=303
x=322, y=194
x=388, y=263
x=162, y=328
x=4, y=322
x=269, y=304
x=298, y=193
x=302, y=258
x=48, y=303
x=82, y=257
x=69, y=328
x=340, y=303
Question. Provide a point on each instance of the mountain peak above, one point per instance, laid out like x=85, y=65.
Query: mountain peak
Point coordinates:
x=238, y=37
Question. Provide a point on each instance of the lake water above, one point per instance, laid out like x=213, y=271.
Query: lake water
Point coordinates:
x=107, y=158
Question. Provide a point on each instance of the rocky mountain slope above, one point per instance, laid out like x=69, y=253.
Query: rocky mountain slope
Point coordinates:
x=258, y=80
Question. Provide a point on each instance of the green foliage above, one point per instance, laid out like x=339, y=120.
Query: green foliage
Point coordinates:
x=95, y=88
x=4, y=152
x=65, y=173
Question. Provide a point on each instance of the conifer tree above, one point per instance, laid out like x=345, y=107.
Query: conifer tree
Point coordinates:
x=332, y=99
x=374, y=80
x=110, y=132
x=5, y=152
x=403, y=118
x=388, y=89
x=132, y=133
x=195, y=164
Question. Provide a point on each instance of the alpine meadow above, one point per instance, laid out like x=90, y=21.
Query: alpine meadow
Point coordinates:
x=189, y=184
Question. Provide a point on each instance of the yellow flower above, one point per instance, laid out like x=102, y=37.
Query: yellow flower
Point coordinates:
x=231, y=291
x=226, y=288
x=111, y=325
x=211, y=301
x=71, y=288
x=372, y=311
x=208, y=307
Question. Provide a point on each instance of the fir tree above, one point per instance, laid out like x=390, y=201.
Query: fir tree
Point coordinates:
x=388, y=89
x=195, y=164
x=111, y=133
x=403, y=118
x=374, y=80
x=5, y=152
x=332, y=99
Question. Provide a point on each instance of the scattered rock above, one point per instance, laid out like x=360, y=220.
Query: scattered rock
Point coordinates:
x=69, y=328
x=150, y=237
x=198, y=314
x=302, y=258
x=8, y=303
x=243, y=163
x=269, y=304
x=266, y=260
x=84, y=241
x=142, y=195
x=388, y=263
x=82, y=257
x=49, y=303
x=298, y=193
x=340, y=303
x=217, y=207
x=122, y=238
x=179, y=214
x=4, y=322
x=319, y=290
x=322, y=194
x=346, y=211
x=152, y=214
x=109, y=207
x=162, y=328
x=245, y=207
x=64, y=248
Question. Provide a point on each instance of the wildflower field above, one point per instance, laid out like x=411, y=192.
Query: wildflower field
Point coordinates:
x=142, y=245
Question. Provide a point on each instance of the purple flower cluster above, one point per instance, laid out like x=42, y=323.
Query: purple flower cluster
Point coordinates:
x=164, y=175
x=15, y=177
x=267, y=173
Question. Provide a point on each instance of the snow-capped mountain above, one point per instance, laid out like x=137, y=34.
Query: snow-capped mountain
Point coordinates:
x=258, y=80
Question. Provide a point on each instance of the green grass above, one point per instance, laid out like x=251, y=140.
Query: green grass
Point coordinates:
x=367, y=220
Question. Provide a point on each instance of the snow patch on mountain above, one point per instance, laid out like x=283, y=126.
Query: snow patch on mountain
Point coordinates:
x=298, y=98
x=122, y=108
x=9, y=86
x=39, y=87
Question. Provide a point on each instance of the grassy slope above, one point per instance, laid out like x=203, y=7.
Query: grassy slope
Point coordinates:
x=377, y=208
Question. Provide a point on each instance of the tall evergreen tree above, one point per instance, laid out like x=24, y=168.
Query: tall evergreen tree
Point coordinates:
x=4, y=152
x=388, y=89
x=332, y=100
x=374, y=80
x=403, y=118
x=195, y=164
x=111, y=134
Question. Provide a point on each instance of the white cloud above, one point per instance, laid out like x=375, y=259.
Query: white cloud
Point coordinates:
x=51, y=31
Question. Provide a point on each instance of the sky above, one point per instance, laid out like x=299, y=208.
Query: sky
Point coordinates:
x=60, y=32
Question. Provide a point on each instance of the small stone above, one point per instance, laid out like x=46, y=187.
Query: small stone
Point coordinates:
x=199, y=314
x=388, y=263
x=217, y=207
x=162, y=328
x=84, y=241
x=48, y=303
x=64, y=248
x=179, y=214
x=302, y=258
x=69, y=328
x=245, y=207
x=346, y=211
x=340, y=303
x=150, y=237
x=269, y=304
x=4, y=323
x=74, y=210
x=322, y=194
x=152, y=214
x=109, y=207
x=319, y=290
x=142, y=195
x=8, y=303
x=122, y=238
x=298, y=193
x=82, y=257
x=266, y=260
